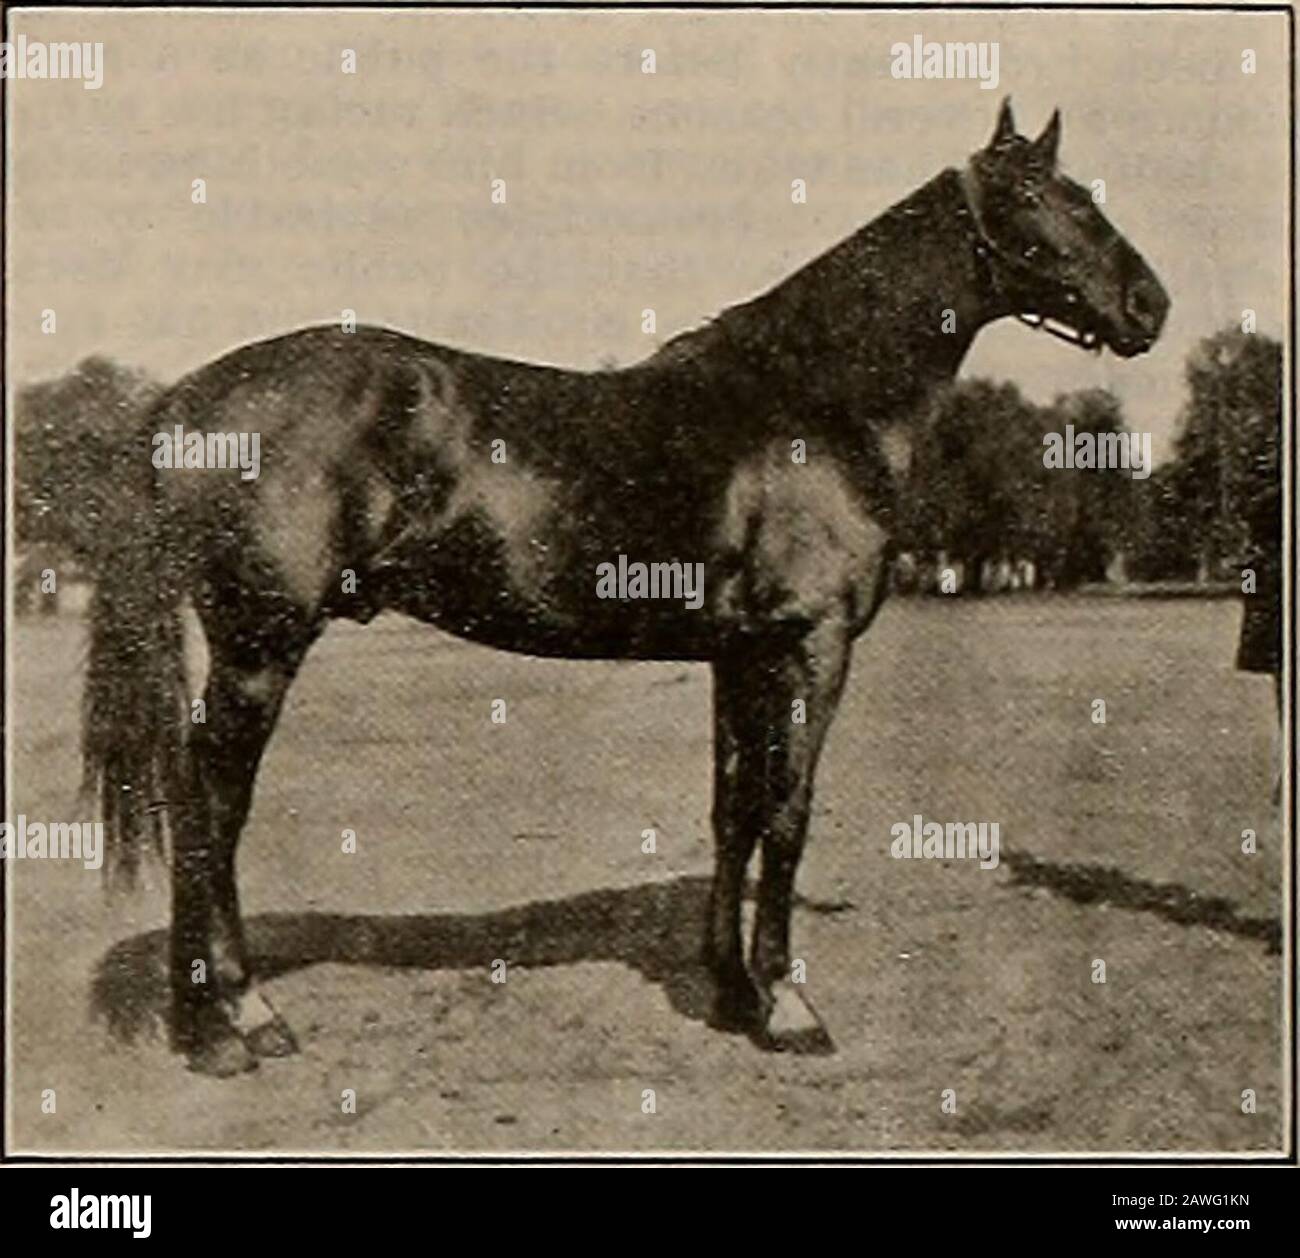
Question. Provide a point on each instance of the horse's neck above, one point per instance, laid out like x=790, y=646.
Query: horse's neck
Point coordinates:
x=862, y=334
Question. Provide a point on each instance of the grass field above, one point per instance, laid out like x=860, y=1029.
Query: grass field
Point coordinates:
x=1120, y=842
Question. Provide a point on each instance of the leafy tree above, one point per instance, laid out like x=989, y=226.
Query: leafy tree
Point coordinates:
x=973, y=461
x=71, y=455
x=1087, y=509
x=1229, y=441
x=980, y=489
x=1162, y=543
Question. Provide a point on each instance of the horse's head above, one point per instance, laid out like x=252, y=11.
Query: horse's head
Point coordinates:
x=1055, y=259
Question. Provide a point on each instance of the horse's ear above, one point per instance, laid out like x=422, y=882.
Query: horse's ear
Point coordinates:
x=1046, y=145
x=1005, y=131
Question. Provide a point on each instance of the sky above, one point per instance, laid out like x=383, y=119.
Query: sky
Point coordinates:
x=624, y=191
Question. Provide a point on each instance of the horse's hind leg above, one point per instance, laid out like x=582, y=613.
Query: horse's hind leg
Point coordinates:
x=223, y=1022
x=737, y=755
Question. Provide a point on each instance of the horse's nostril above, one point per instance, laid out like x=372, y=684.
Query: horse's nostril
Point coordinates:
x=1140, y=303
x=1146, y=304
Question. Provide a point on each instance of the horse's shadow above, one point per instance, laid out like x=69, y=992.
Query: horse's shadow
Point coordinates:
x=655, y=928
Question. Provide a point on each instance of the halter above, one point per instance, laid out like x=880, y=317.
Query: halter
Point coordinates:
x=987, y=249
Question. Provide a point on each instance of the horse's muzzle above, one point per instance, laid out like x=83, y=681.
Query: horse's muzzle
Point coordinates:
x=1146, y=306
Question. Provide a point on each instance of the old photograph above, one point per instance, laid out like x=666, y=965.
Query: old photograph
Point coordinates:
x=626, y=582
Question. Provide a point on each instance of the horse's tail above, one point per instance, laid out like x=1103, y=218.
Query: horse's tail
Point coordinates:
x=132, y=740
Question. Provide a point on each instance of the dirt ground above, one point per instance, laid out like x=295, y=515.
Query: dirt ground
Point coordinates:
x=522, y=842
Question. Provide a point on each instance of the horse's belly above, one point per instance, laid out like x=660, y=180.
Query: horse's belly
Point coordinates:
x=537, y=582
x=553, y=619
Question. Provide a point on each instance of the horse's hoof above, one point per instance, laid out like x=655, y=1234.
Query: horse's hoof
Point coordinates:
x=225, y=1056
x=735, y=1005
x=792, y=1024
x=272, y=1039
x=265, y=1032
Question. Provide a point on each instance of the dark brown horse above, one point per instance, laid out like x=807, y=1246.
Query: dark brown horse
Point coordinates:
x=482, y=495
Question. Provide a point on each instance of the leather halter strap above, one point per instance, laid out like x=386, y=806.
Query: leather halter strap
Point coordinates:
x=985, y=246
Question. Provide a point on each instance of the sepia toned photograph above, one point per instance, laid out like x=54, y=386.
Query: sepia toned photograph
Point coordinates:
x=595, y=583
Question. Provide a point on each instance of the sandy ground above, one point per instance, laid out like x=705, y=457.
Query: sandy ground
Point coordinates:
x=523, y=842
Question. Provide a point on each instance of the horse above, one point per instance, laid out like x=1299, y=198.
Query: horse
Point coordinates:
x=481, y=495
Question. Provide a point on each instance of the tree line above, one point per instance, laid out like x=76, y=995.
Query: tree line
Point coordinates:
x=981, y=493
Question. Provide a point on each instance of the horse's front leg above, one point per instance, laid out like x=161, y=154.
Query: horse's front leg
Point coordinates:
x=802, y=684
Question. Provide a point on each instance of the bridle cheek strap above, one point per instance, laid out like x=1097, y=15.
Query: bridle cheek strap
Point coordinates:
x=986, y=248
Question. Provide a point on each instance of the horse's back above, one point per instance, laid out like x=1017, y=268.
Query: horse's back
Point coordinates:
x=477, y=493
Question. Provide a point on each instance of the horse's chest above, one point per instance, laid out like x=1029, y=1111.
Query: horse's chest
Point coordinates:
x=816, y=547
